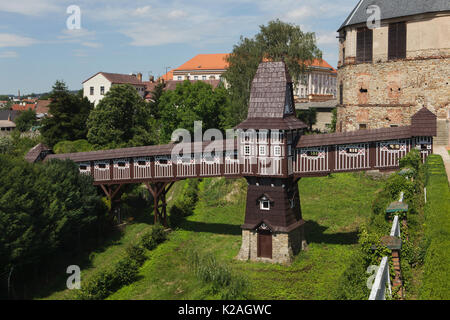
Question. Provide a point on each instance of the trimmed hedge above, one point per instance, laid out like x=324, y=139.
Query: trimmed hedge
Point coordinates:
x=436, y=278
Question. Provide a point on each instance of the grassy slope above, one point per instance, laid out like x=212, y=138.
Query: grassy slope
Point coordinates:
x=107, y=255
x=333, y=207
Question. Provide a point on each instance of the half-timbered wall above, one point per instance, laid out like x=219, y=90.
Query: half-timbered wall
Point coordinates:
x=121, y=169
x=352, y=157
x=102, y=170
x=85, y=168
x=186, y=167
x=388, y=153
x=425, y=145
x=163, y=167
x=310, y=160
x=142, y=168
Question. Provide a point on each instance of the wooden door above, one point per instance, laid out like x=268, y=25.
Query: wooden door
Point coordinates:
x=265, y=244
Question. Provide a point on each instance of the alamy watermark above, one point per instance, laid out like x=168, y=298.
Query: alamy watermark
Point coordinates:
x=73, y=22
x=74, y=280
x=374, y=19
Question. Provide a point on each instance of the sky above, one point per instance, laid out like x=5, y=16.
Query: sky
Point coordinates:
x=37, y=47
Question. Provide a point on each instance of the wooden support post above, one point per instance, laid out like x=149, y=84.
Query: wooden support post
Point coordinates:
x=159, y=191
x=112, y=194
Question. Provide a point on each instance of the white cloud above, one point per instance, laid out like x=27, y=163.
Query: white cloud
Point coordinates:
x=8, y=54
x=300, y=13
x=13, y=40
x=176, y=14
x=327, y=38
x=29, y=7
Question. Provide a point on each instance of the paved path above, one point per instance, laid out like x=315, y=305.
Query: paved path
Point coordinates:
x=442, y=151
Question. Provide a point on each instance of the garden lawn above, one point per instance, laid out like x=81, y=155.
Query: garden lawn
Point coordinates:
x=334, y=207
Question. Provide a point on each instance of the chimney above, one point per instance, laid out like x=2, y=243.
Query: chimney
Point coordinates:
x=152, y=79
x=139, y=76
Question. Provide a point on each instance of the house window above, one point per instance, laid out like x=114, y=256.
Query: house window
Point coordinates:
x=203, y=77
x=195, y=77
x=262, y=150
x=397, y=41
x=102, y=90
x=277, y=151
x=180, y=78
x=92, y=91
x=247, y=150
x=364, y=45
x=264, y=204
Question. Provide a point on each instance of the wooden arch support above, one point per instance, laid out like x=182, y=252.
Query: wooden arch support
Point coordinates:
x=113, y=195
x=159, y=191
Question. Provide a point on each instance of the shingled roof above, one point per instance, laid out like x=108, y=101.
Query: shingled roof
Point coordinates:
x=271, y=102
x=38, y=152
x=394, y=9
x=117, y=78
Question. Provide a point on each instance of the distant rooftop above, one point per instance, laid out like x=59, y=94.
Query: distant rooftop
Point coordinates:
x=118, y=78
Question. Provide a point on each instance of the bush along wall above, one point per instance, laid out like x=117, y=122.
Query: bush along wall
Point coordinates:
x=125, y=271
x=410, y=180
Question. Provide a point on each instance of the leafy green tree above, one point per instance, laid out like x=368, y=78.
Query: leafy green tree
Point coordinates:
x=69, y=113
x=26, y=120
x=6, y=144
x=46, y=210
x=122, y=118
x=156, y=98
x=309, y=117
x=191, y=102
x=278, y=41
x=72, y=146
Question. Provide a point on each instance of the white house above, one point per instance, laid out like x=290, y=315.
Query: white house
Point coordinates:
x=99, y=84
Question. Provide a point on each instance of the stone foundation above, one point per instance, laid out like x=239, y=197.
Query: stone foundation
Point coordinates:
x=284, y=246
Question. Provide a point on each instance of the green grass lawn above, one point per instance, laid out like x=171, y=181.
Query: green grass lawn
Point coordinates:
x=333, y=207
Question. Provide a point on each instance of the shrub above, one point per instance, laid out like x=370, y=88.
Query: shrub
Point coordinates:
x=125, y=272
x=151, y=239
x=136, y=253
x=218, y=276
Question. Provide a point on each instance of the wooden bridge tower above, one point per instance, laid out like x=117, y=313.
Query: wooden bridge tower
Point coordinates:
x=273, y=229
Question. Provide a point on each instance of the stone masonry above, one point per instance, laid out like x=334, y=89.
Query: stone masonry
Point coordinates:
x=389, y=93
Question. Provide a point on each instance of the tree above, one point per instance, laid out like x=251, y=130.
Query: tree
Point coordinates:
x=278, y=41
x=122, y=118
x=309, y=117
x=26, y=120
x=156, y=98
x=68, y=118
x=46, y=210
x=191, y=102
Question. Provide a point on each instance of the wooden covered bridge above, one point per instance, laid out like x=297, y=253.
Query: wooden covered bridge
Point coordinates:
x=270, y=151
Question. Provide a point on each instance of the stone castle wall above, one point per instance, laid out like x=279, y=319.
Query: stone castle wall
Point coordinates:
x=388, y=93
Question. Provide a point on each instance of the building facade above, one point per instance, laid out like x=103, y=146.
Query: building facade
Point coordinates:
x=388, y=72
x=318, y=83
x=202, y=67
x=96, y=87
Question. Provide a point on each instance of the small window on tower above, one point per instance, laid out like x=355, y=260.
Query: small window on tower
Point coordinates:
x=265, y=205
x=362, y=126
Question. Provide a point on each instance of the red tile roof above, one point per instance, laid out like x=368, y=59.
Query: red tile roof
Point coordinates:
x=214, y=61
x=19, y=107
x=42, y=106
